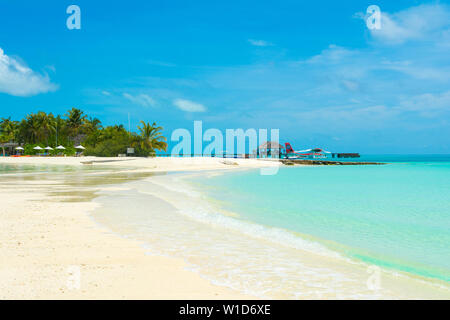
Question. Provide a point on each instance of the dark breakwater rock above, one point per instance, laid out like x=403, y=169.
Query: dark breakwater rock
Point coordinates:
x=327, y=163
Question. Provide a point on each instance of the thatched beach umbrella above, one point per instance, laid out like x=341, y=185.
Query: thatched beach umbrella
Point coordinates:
x=270, y=149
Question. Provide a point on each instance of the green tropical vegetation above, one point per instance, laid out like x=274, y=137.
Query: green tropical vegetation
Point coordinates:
x=75, y=128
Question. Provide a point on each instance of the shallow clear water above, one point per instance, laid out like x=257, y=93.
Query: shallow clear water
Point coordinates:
x=389, y=158
x=270, y=236
x=396, y=216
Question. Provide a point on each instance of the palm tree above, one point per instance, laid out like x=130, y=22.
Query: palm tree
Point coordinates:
x=112, y=131
x=33, y=128
x=8, y=132
x=74, y=127
x=93, y=128
x=92, y=124
x=22, y=131
x=60, y=129
x=47, y=125
x=75, y=120
x=151, y=137
x=9, y=127
x=3, y=139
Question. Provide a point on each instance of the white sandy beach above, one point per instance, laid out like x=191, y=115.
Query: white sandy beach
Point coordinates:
x=152, y=164
x=43, y=241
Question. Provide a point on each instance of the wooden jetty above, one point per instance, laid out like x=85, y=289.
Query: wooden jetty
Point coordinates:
x=345, y=155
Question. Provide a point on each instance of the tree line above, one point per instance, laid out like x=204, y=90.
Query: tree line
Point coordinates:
x=75, y=128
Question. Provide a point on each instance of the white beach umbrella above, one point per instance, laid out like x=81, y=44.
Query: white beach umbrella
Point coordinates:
x=38, y=148
x=48, y=148
x=80, y=147
x=60, y=148
x=19, y=148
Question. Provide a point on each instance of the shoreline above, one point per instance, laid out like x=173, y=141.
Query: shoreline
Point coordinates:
x=45, y=238
x=123, y=269
x=153, y=164
x=396, y=285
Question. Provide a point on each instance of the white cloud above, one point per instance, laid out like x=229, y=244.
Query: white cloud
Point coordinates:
x=350, y=85
x=438, y=72
x=333, y=54
x=141, y=99
x=427, y=104
x=260, y=43
x=18, y=80
x=189, y=106
x=424, y=22
x=348, y=114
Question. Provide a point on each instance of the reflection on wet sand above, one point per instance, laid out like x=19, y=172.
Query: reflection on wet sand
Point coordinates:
x=68, y=183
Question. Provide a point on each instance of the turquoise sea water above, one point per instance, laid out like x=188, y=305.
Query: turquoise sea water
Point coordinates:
x=396, y=216
x=256, y=233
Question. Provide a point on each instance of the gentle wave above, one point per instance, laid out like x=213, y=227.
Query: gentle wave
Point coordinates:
x=262, y=261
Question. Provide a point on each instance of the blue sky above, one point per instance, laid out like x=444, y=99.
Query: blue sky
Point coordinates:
x=310, y=68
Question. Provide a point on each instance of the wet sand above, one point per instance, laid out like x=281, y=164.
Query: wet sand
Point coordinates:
x=50, y=247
